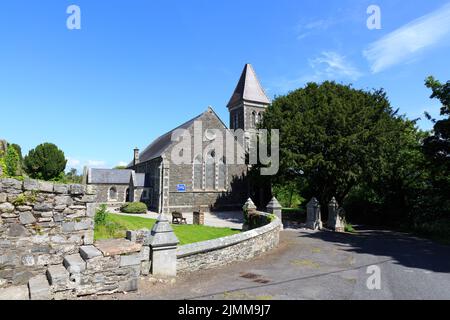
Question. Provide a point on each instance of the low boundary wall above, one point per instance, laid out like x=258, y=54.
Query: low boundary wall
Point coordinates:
x=222, y=251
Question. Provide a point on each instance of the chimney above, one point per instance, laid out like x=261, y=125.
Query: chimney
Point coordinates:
x=136, y=156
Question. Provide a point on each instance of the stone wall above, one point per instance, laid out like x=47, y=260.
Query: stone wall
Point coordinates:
x=41, y=223
x=219, y=252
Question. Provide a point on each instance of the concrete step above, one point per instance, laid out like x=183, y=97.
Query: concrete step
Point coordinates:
x=74, y=263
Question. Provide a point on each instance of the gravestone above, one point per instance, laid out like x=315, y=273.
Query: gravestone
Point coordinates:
x=313, y=215
x=335, y=218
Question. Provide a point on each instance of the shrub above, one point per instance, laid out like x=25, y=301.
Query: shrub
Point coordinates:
x=100, y=215
x=134, y=207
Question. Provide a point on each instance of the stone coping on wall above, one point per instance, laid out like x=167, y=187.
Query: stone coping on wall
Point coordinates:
x=220, y=243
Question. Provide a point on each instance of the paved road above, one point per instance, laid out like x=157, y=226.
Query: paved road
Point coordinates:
x=322, y=265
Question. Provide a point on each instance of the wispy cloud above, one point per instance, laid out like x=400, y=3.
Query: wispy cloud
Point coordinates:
x=96, y=163
x=332, y=65
x=403, y=44
x=329, y=65
x=312, y=27
x=122, y=164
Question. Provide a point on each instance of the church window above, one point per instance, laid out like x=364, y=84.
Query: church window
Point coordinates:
x=236, y=120
x=259, y=118
x=254, y=119
x=222, y=167
x=112, y=194
x=210, y=171
x=198, y=173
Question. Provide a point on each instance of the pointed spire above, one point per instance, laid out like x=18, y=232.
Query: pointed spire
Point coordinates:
x=248, y=89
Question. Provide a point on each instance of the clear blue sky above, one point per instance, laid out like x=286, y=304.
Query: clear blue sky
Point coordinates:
x=138, y=68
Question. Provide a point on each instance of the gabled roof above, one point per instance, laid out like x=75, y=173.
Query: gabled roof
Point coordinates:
x=161, y=144
x=248, y=89
x=109, y=176
x=115, y=176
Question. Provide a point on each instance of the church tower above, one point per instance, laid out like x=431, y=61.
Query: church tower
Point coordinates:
x=248, y=102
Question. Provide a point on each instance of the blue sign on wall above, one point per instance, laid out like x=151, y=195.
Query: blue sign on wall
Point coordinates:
x=181, y=187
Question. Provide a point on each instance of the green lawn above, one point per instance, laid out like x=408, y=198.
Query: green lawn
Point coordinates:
x=117, y=225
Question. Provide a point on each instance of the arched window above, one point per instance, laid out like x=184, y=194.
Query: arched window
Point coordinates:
x=236, y=120
x=112, y=194
x=259, y=117
x=198, y=173
x=210, y=171
x=222, y=167
x=254, y=119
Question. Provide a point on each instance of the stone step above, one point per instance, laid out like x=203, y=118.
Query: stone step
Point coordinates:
x=89, y=252
x=74, y=263
x=58, y=277
x=39, y=288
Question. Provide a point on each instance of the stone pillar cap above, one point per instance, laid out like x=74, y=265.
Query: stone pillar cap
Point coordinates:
x=313, y=202
x=333, y=201
x=162, y=234
x=249, y=204
x=274, y=204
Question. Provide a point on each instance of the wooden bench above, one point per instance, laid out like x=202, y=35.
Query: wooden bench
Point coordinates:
x=177, y=218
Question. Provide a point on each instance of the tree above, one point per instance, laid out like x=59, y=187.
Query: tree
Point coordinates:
x=437, y=146
x=12, y=161
x=332, y=137
x=46, y=162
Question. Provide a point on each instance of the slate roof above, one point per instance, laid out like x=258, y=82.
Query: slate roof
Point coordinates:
x=114, y=176
x=248, y=89
x=158, y=146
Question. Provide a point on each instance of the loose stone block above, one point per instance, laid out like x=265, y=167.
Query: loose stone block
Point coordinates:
x=15, y=293
x=27, y=218
x=145, y=268
x=39, y=288
x=130, y=260
x=89, y=252
x=63, y=201
x=74, y=263
x=3, y=197
x=85, y=224
x=57, y=275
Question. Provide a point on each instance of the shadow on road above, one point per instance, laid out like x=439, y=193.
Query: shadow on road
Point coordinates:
x=403, y=249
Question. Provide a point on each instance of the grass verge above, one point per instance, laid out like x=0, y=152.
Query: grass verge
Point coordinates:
x=117, y=225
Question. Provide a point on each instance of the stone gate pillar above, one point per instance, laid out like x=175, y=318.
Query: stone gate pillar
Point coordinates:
x=163, y=244
x=249, y=209
x=313, y=215
x=274, y=207
x=335, y=220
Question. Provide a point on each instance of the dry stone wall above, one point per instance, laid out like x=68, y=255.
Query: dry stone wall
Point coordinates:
x=40, y=224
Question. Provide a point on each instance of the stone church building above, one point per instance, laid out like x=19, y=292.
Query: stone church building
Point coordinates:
x=207, y=182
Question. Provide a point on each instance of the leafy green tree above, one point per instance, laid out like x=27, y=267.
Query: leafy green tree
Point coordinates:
x=332, y=137
x=12, y=161
x=46, y=162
